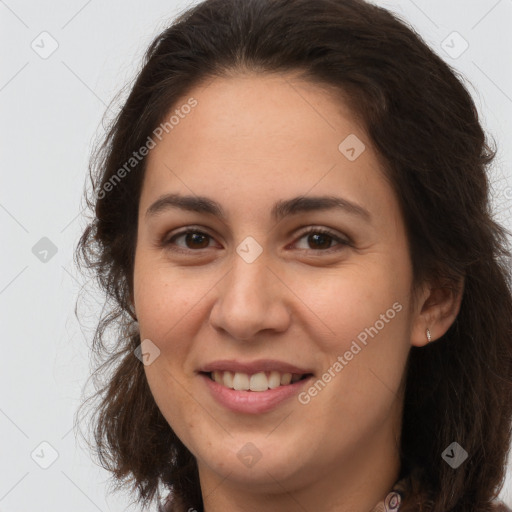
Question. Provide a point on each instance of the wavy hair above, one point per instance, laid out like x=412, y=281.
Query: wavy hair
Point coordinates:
x=424, y=125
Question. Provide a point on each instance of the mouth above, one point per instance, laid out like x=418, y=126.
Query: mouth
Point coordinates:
x=257, y=382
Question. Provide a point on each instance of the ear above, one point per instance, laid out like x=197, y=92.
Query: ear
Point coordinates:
x=436, y=308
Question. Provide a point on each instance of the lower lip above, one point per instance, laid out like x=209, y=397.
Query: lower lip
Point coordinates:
x=252, y=402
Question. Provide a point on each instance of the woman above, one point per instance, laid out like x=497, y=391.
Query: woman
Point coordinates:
x=311, y=299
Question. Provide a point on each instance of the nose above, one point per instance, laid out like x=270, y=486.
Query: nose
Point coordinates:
x=251, y=299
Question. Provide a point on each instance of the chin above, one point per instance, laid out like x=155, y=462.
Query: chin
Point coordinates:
x=258, y=462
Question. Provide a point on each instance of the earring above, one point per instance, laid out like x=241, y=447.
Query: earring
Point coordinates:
x=429, y=336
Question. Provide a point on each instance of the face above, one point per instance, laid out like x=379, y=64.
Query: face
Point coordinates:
x=251, y=285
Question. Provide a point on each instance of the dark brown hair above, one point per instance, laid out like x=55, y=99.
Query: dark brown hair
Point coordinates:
x=424, y=124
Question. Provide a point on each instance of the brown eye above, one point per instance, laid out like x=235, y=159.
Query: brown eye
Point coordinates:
x=322, y=240
x=317, y=239
x=193, y=240
x=197, y=240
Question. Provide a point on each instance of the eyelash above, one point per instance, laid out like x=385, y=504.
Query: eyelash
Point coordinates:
x=167, y=243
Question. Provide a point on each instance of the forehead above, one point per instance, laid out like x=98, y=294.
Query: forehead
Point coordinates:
x=265, y=137
x=283, y=115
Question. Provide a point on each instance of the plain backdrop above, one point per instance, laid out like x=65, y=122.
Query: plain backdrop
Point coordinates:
x=62, y=64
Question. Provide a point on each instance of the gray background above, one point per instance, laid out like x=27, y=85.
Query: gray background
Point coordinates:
x=51, y=110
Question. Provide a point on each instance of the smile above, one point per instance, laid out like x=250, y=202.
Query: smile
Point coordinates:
x=255, y=395
x=260, y=381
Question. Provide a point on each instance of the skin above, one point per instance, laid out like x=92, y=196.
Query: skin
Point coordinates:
x=253, y=140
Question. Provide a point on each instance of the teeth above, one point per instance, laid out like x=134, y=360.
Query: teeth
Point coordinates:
x=241, y=381
x=286, y=378
x=274, y=380
x=228, y=379
x=260, y=381
x=217, y=376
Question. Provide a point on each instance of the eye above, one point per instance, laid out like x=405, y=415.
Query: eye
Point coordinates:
x=321, y=239
x=194, y=240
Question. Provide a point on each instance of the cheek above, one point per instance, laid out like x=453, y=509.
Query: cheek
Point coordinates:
x=350, y=300
x=364, y=318
x=167, y=305
x=167, y=299
x=184, y=414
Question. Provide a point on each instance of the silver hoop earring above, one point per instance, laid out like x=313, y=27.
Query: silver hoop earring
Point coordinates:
x=429, y=336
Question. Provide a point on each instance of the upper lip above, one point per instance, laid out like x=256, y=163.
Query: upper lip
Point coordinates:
x=251, y=367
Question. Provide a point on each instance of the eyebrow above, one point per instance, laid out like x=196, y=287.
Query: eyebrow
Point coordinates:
x=281, y=209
